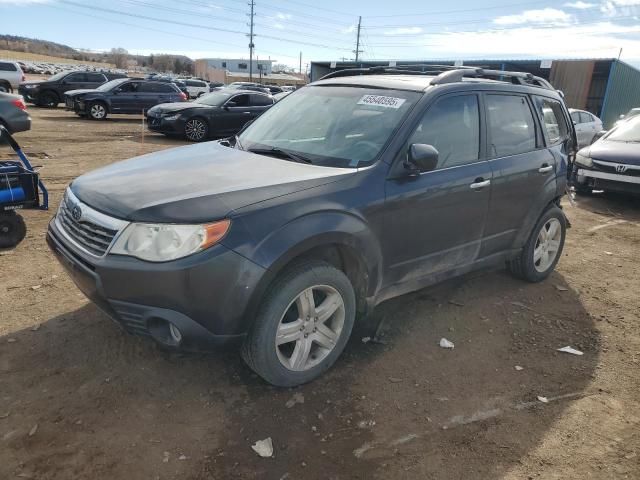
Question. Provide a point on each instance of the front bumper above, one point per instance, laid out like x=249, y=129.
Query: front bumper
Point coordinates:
x=597, y=180
x=205, y=295
x=29, y=94
x=169, y=127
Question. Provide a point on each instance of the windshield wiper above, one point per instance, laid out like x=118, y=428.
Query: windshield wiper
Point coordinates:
x=280, y=153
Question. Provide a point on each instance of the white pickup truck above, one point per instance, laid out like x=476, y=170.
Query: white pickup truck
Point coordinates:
x=10, y=76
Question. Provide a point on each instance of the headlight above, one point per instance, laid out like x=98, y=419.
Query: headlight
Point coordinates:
x=165, y=242
x=584, y=160
x=30, y=86
x=172, y=117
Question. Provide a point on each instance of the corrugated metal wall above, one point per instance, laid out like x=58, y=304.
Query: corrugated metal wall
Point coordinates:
x=623, y=92
x=573, y=77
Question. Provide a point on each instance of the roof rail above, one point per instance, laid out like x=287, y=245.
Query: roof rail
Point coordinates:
x=446, y=74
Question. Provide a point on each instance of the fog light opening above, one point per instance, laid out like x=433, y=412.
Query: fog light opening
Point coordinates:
x=176, y=335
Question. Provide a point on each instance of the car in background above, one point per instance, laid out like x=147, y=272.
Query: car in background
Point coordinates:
x=215, y=86
x=124, y=95
x=630, y=114
x=195, y=88
x=10, y=76
x=50, y=93
x=281, y=95
x=274, y=89
x=612, y=163
x=215, y=115
x=256, y=87
x=13, y=113
x=587, y=126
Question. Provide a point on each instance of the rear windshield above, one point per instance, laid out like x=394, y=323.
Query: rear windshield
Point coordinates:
x=628, y=132
x=334, y=126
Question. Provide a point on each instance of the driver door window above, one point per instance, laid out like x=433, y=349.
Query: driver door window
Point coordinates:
x=240, y=101
x=452, y=126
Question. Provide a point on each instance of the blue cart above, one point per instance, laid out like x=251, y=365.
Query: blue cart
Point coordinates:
x=20, y=188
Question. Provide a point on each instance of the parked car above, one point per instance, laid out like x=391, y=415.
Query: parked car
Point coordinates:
x=256, y=87
x=274, y=89
x=10, y=76
x=630, y=114
x=217, y=114
x=612, y=163
x=50, y=93
x=13, y=113
x=281, y=95
x=122, y=96
x=354, y=190
x=587, y=126
x=195, y=88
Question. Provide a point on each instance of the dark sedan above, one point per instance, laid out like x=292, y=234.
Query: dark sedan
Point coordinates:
x=122, y=96
x=612, y=163
x=218, y=114
x=13, y=113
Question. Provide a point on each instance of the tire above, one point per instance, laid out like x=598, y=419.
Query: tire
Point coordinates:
x=48, y=100
x=196, y=129
x=12, y=230
x=5, y=88
x=97, y=111
x=299, y=357
x=542, y=251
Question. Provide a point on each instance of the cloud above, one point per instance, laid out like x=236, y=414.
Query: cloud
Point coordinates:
x=404, y=31
x=545, y=15
x=349, y=29
x=617, y=7
x=580, y=5
x=283, y=16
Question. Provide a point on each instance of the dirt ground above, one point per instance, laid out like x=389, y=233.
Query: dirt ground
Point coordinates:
x=80, y=399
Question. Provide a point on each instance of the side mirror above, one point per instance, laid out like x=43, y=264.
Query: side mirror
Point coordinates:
x=229, y=105
x=421, y=158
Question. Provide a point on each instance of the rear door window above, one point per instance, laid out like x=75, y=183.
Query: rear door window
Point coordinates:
x=96, y=78
x=511, y=125
x=553, y=120
x=575, y=117
x=585, y=117
x=452, y=126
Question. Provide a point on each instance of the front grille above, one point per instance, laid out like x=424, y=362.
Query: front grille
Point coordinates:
x=93, y=237
x=631, y=170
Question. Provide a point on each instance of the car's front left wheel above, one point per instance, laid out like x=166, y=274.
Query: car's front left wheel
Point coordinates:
x=303, y=325
x=196, y=129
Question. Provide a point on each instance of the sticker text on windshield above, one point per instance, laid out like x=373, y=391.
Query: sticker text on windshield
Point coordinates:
x=380, y=101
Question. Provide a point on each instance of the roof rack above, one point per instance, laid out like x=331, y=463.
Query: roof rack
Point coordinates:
x=447, y=74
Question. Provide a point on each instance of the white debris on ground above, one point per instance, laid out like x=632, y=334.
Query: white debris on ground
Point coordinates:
x=519, y=368
x=297, y=398
x=444, y=343
x=570, y=350
x=543, y=399
x=264, y=448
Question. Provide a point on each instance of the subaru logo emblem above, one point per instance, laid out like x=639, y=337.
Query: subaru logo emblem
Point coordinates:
x=621, y=168
x=76, y=213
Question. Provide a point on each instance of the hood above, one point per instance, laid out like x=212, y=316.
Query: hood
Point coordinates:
x=82, y=91
x=195, y=184
x=619, y=152
x=176, y=107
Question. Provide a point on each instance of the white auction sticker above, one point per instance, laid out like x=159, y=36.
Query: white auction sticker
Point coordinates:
x=380, y=101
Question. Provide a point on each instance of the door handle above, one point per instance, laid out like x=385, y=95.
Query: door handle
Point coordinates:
x=479, y=184
x=545, y=168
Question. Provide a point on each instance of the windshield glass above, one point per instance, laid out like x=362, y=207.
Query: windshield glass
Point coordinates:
x=215, y=99
x=331, y=126
x=627, y=132
x=105, y=87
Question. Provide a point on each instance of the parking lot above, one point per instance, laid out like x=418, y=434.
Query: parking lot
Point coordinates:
x=81, y=399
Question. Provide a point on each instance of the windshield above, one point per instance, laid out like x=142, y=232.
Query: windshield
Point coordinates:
x=105, y=87
x=627, y=132
x=331, y=126
x=215, y=99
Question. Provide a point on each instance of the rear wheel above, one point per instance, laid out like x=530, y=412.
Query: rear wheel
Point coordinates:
x=5, y=87
x=97, y=111
x=196, y=130
x=303, y=325
x=542, y=251
x=12, y=229
x=48, y=100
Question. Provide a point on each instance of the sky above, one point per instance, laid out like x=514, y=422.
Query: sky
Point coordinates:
x=327, y=30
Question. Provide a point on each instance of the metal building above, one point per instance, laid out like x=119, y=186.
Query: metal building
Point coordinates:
x=607, y=88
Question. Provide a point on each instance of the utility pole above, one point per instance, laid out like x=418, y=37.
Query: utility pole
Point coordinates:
x=300, y=69
x=357, y=50
x=251, y=44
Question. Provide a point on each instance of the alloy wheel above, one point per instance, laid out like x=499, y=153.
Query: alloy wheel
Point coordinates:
x=98, y=111
x=547, y=245
x=195, y=130
x=310, y=328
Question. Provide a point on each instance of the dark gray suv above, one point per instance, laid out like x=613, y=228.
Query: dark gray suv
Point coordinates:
x=350, y=191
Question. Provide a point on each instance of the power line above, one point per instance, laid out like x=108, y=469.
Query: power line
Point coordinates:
x=309, y=5
x=464, y=10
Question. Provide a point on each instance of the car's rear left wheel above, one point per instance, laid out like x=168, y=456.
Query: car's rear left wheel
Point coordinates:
x=303, y=325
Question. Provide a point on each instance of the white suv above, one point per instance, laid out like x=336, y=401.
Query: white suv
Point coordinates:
x=10, y=76
x=196, y=88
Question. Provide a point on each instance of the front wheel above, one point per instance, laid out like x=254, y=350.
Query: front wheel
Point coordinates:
x=97, y=111
x=196, y=130
x=48, y=100
x=303, y=325
x=542, y=251
x=12, y=230
x=5, y=88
